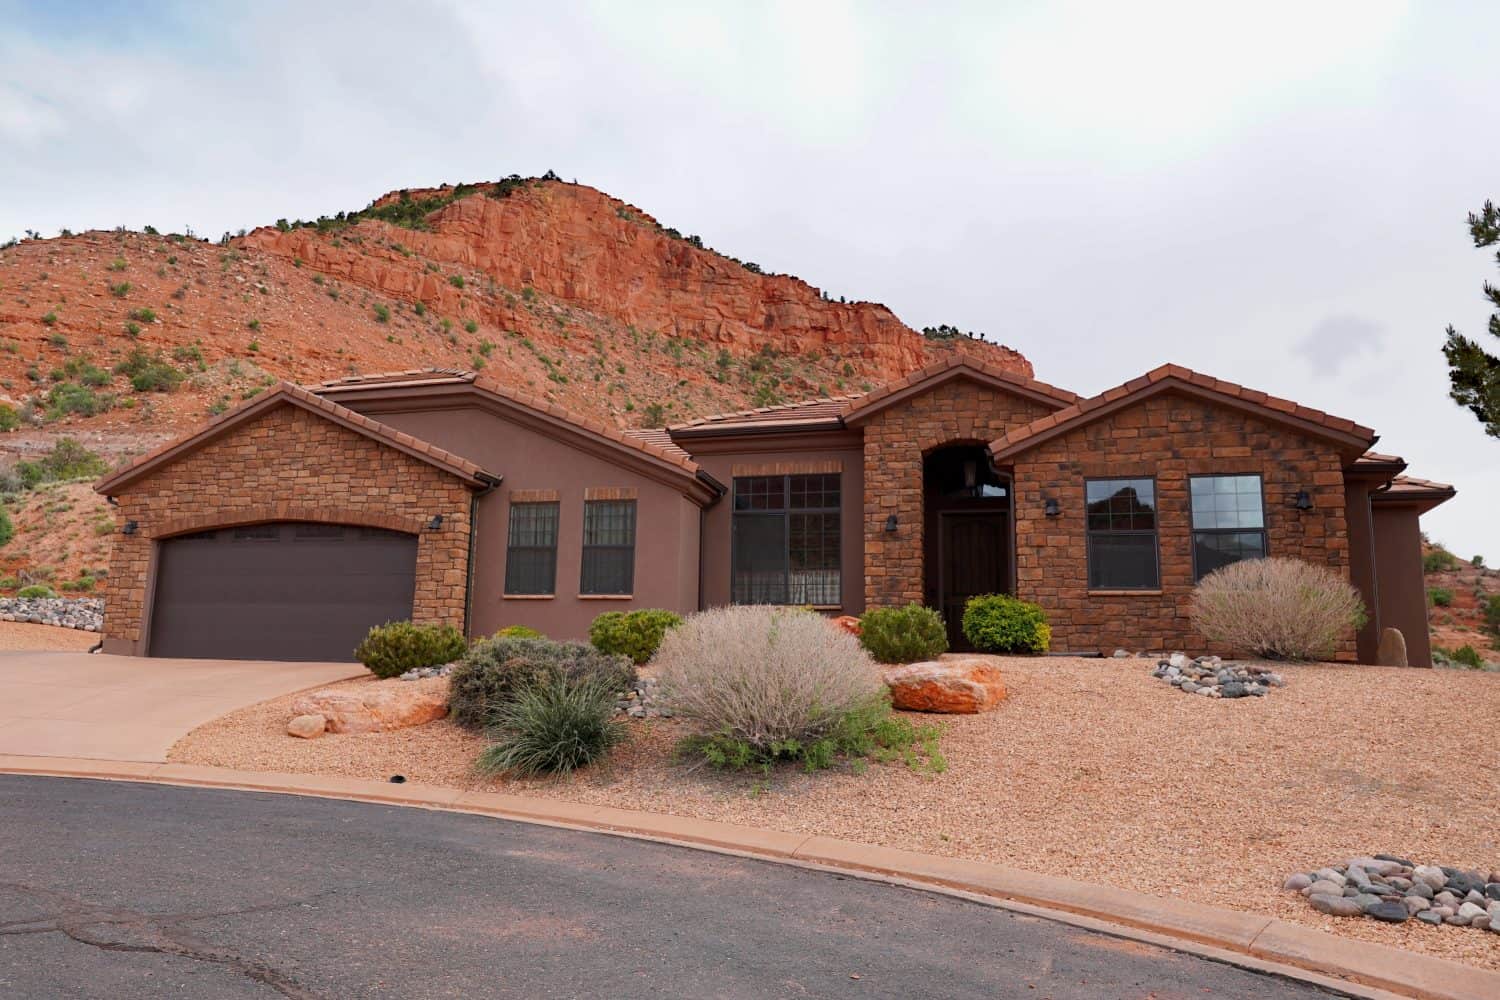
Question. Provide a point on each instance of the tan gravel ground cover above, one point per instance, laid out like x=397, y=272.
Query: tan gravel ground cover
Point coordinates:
x=1092, y=769
x=24, y=635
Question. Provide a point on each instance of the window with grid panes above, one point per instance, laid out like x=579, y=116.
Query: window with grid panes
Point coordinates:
x=786, y=538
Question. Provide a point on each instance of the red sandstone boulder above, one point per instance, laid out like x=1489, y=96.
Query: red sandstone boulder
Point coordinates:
x=962, y=685
x=383, y=705
x=848, y=623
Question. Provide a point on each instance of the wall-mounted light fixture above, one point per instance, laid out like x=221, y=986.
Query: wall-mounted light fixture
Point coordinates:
x=436, y=523
x=1303, y=500
x=1051, y=507
x=129, y=528
x=891, y=524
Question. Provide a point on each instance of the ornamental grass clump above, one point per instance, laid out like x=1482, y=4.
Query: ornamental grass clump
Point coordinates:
x=768, y=684
x=553, y=727
x=903, y=635
x=1279, y=609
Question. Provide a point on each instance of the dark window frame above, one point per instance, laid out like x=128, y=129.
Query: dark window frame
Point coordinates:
x=589, y=587
x=1154, y=531
x=753, y=497
x=514, y=585
x=1194, y=531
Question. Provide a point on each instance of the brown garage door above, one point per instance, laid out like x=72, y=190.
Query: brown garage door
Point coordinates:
x=281, y=591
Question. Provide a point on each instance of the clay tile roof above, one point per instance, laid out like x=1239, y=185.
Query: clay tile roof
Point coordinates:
x=1021, y=438
x=409, y=375
x=289, y=394
x=660, y=438
x=1030, y=386
x=1377, y=458
x=1412, y=484
x=824, y=408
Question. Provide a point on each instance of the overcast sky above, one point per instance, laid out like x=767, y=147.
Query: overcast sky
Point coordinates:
x=1273, y=194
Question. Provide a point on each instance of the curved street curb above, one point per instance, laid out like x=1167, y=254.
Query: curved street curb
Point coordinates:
x=1257, y=942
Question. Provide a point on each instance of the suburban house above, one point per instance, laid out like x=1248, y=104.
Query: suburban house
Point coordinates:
x=287, y=526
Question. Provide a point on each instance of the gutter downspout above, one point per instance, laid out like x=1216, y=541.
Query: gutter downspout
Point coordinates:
x=474, y=499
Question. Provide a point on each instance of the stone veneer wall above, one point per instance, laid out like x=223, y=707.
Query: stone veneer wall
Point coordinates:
x=290, y=464
x=1169, y=436
x=956, y=412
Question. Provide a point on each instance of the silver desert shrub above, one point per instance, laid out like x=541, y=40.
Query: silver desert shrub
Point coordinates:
x=762, y=674
x=1281, y=609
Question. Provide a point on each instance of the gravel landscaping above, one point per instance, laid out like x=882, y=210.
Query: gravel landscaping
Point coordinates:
x=1091, y=769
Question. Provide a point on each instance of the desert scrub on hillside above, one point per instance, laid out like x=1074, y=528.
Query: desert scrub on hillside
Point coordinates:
x=767, y=684
x=149, y=372
x=66, y=460
x=70, y=398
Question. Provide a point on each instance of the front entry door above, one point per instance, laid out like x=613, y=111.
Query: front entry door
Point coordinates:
x=974, y=560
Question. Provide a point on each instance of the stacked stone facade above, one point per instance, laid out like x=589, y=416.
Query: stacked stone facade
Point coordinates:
x=290, y=465
x=1168, y=437
x=960, y=411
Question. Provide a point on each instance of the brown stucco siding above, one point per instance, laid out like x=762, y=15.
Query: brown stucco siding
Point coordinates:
x=1169, y=437
x=895, y=440
x=289, y=464
x=535, y=464
x=1403, y=587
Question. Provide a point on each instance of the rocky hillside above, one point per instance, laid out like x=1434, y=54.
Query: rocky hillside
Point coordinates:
x=1460, y=599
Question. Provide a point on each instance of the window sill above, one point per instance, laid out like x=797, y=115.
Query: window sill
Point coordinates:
x=606, y=597
x=1126, y=593
x=527, y=597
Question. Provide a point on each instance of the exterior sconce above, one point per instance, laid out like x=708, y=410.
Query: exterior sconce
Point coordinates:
x=436, y=523
x=129, y=528
x=1051, y=507
x=891, y=524
x=1303, y=501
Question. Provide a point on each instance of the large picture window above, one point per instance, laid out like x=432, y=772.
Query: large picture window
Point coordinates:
x=531, y=549
x=786, y=540
x=1229, y=522
x=608, y=547
x=1122, y=534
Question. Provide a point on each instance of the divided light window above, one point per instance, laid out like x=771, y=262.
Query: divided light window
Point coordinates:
x=1122, y=534
x=531, y=550
x=1229, y=522
x=608, y=547
x=785, y=547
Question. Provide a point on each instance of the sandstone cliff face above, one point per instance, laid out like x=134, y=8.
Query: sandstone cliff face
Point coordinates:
x=581, y=248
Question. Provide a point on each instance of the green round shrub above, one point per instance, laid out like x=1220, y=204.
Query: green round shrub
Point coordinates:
x=636, y=634
x=36, y=590
x=1468, y=656
x=518, y=632
x=396, y=647
x=903, y=635
x=495, y=671
x=998, y=623
x=553, y=727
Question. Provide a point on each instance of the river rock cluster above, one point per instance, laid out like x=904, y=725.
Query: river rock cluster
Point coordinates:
x=1212, y=677
x=1395, y=890
x=422, y=673
x=642, y=700
x=83, y=613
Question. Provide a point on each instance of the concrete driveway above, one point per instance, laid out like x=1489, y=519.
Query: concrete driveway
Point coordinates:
x=59, y=704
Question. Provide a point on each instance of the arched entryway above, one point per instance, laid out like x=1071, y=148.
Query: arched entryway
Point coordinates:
x=968, y=532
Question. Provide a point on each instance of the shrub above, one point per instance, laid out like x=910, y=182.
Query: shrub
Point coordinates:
x=518, y=632
x=495, y=671
x=636, y=634
x=456, y=280
x=1439, y=597
x=1281, y=609
x=36, y=590
x=396, y=647
x=382, y=313
x=903, y=635
x=50, y=317
x=149, y=372
x=998, y=623
x=1477, y=562
x=1468, y=656
x=67, y=460
x=9, y=418
x=1491, y=608
x=144, y=315
x=774, y=682
x=553, y=727
x=69, y=397
x=7, y=529
x=1438, y=561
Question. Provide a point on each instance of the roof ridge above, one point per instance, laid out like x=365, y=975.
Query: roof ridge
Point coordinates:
x=811, y=401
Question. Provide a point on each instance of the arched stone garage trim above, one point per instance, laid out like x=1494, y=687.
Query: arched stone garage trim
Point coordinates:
x=290, y=456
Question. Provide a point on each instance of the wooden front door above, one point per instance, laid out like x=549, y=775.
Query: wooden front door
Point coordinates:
x=973, y=559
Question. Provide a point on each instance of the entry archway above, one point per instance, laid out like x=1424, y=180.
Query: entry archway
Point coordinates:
x=968, y=533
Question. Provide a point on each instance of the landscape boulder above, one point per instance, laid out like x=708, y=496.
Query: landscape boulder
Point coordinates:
x=376, y=706
x=1392, y=649
x=961, y=685
x=848, y=623
x=307, y=727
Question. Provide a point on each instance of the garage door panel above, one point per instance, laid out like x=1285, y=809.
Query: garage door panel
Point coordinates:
x=286, y=591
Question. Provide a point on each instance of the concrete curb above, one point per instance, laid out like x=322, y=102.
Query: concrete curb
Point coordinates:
x=1257, y=942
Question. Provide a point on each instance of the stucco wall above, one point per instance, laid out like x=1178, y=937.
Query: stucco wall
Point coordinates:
x=289, y=464
x=1169, y=437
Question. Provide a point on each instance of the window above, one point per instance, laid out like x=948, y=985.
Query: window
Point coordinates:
x=786, y=540
x=608, y=547
x=1122, y=534
x=531, y=551
x=1229, y=521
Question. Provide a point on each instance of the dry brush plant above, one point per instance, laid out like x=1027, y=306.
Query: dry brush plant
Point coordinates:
x=1280, y=609
x=773, y=680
